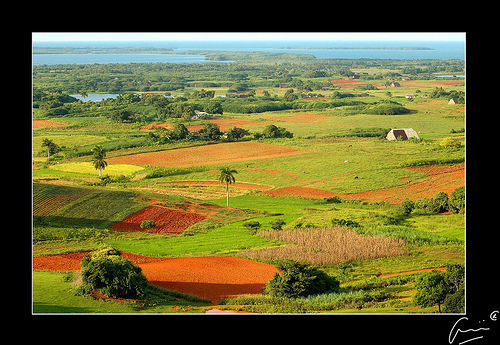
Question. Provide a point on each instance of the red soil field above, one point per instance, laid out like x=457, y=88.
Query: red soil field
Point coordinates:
x=167, y=221
x=211, y=278
x=238, y=185
x=47, y=123
x=207, y=154
x=445, y=178
x=344, y=81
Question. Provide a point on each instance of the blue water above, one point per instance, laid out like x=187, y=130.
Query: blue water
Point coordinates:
x=437, y=50
x=95, y=97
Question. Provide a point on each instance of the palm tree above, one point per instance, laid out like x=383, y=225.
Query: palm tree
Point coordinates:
x=98, y=161
x=226, y=175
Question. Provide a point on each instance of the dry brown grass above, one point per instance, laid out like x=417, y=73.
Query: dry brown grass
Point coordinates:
x=326, y=246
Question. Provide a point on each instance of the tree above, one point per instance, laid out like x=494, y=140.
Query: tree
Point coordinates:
x=457, y=200
x=210, y=131
x=98, y=159
x=431, y=290
x=108, y=272
x=299, y=280
x=52, y=148
x=226, y=176
x=237, y=133
x=180, y=131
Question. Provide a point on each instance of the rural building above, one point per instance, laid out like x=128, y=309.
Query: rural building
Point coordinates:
x=200, y=115
x=410, y=96
x=453, y=101
x=404, y=133
x=395, y=84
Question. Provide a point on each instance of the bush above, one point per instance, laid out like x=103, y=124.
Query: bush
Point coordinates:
x=277, y=224
x=147, y=224
x=407, y=206
x=457, y=200
x=343, y=222
x=114, y=276
x=252, y=226
x=299, y=280
x=333, y=199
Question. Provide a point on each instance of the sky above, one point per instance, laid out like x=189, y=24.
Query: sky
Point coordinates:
x=172, y=36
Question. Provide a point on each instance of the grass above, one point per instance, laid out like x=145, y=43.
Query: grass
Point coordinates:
x=52, y=294
x=87, y=168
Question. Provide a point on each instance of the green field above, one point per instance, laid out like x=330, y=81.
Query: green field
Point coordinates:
x=344, y=152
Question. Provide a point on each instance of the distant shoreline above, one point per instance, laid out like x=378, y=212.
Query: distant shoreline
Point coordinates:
x=361, y=48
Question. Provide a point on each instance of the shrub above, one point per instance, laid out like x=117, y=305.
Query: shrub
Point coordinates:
x=299, y=280
x=277, y=224
x=252, y=226
x=343, y=222
x=114, y=276
x=425, y=204
x=457, y=200
x=407, y=206
x=334, y=199
x=147, y=224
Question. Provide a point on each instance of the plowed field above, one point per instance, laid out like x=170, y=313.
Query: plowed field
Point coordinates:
x=442, y=178
x=167, y=221
x=47, y=123
x=207, y=154
x=211, y=278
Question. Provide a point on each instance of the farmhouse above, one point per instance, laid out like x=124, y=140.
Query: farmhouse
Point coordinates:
x=395, y=84
x=409, y=96
x=201, y=115
x=403, y=133
x=453, y=101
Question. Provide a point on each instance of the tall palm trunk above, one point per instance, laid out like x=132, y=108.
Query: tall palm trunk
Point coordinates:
x=227, y=194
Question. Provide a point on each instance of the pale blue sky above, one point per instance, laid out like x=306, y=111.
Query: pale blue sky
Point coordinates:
x=137, y=36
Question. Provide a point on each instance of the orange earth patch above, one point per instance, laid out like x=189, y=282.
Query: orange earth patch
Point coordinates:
x=211, y=278
x=47, y=123
x=441, y=178
x=167, y=220
x=207, y=154
x=344, y=81
x=238, y=185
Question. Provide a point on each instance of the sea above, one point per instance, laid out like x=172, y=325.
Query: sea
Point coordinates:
x=396, y=50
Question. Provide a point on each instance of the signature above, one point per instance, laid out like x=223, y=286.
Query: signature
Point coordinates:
x=455, y=330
